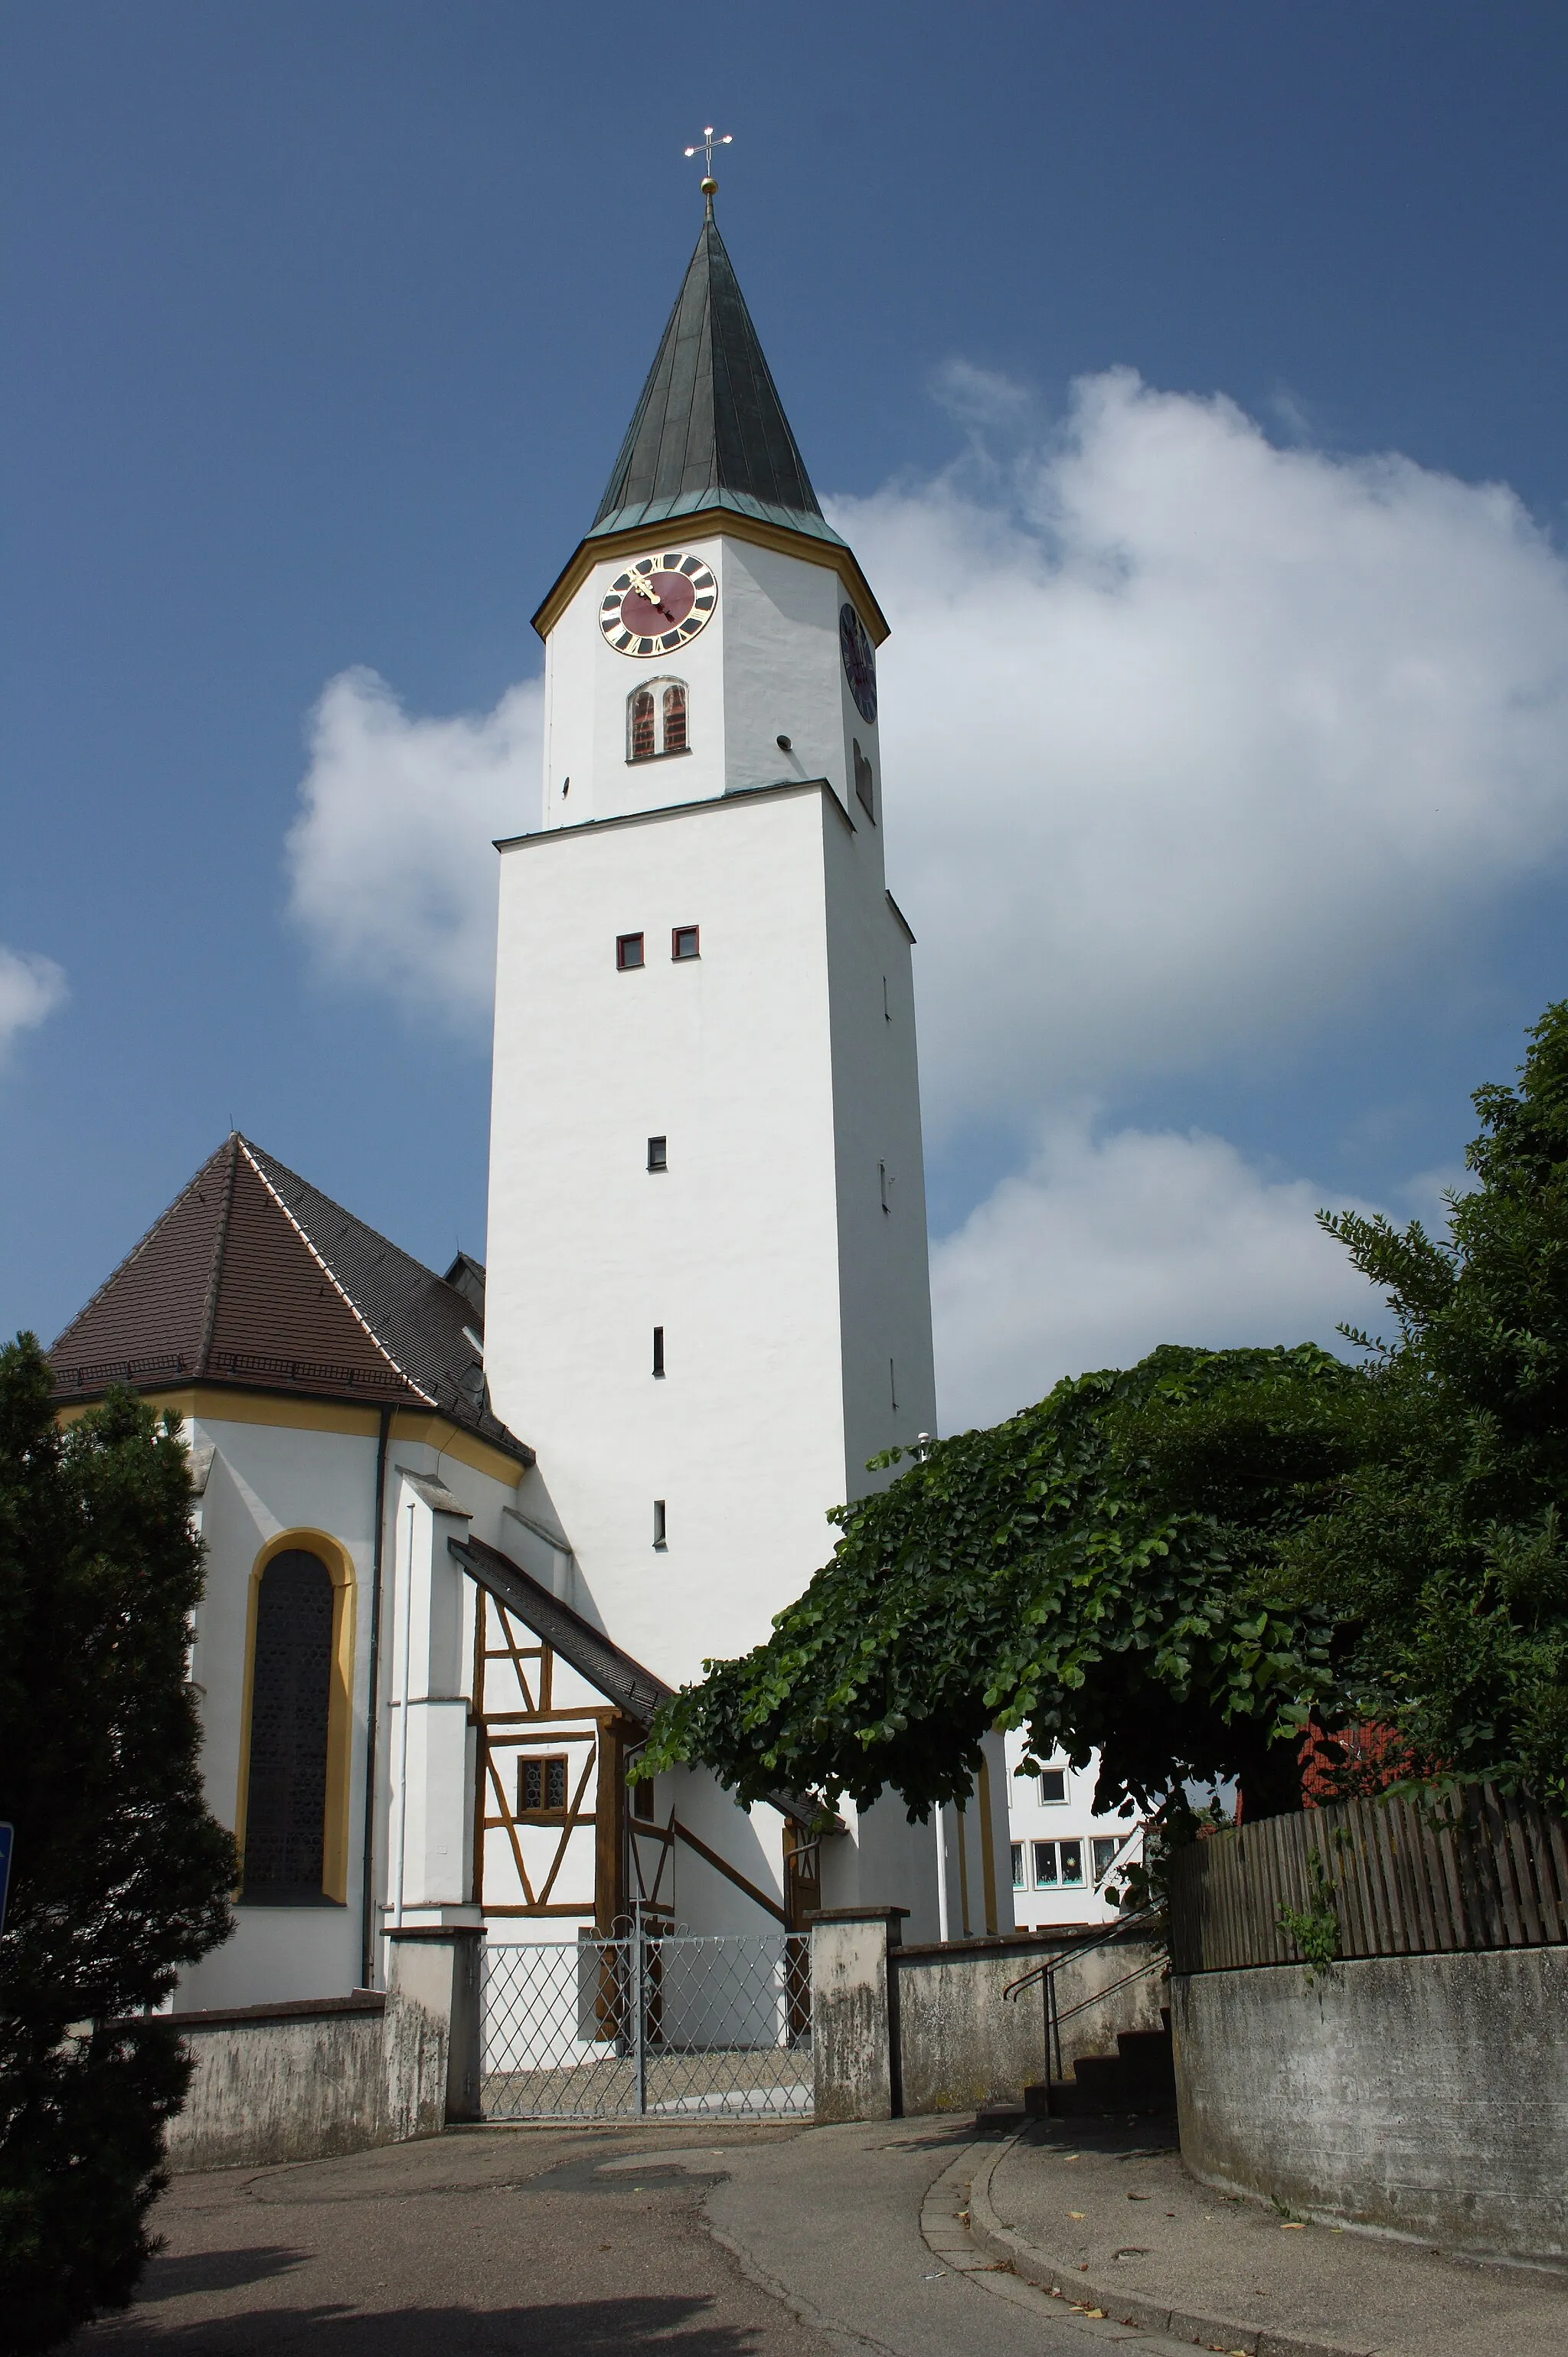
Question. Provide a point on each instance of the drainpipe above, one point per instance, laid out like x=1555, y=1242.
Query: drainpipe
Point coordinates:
x=373, y=1720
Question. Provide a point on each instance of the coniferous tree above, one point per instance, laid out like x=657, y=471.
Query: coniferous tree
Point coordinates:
x=120, y=1875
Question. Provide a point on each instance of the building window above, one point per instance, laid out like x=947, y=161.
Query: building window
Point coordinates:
x=1017, y=1866
x=642, y=1800
x=1104, y=1849
x=1057, y=1863
x=659, y=1349
x=291, y=1693
x=629, y=950
x=657, y=717
x=683, y=942
x=658, y=1154
x=1053, y=1784
x=660, y=1527
x=865, y=782
x=542, y=1787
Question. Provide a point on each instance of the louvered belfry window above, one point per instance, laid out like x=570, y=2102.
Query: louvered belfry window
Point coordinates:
x=286, y=1805
x=642, y=743
x=675, y=718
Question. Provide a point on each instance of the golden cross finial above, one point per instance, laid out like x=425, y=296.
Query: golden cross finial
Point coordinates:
x=711, y=139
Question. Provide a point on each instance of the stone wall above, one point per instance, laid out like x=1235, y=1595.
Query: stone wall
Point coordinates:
x=1424, y=2096
x=896, y=2031
x=962, y=2041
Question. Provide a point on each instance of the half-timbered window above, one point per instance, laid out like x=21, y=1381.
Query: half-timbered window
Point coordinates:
x=541, y=1786
x=658, y=716
x=291, y=1689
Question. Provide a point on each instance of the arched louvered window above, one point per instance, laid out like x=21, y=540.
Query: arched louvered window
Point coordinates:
x=657, y=720
x=291, y=1693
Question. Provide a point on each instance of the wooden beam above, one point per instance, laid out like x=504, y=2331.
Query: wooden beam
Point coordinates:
x=731, y=1874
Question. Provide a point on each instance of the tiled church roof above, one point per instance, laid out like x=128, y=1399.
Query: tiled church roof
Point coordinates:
x=253, y=1278
x=710, y=429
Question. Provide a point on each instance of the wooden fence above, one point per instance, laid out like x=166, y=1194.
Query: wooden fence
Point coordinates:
x=1424, y=1876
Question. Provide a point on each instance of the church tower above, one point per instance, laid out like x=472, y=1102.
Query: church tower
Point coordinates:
x=708, y=1301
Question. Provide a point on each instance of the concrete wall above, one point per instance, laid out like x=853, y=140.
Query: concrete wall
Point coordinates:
x=1425, y=2096
x=303, y=2081
x=963, y=2042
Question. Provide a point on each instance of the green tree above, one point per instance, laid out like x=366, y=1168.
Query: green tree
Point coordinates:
x=1100, y=1570
x=120, y=1875
x=1443, y=1561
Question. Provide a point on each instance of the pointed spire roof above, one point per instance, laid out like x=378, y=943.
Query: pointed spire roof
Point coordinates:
x=710, y=429
x=254, y=1279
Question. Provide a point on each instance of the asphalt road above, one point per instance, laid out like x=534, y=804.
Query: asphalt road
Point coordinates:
x=725, y=2241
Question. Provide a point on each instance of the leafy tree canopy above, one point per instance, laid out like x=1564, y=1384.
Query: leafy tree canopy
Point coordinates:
x=1099, y=1568
x=1177, y=1565
x=119, y=1874
x=1443, y=1562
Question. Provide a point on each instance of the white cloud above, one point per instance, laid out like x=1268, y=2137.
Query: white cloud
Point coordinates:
x=393, y=876
x=1107, y=1244
x=31, y=987
x=1191, y=741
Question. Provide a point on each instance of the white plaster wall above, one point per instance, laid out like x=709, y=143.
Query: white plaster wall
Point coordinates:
x=1031, y=1819
x=266, y=1478
x=733, y=1250
x=766, y=666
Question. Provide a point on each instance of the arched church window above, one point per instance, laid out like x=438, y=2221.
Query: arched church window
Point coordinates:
x=657, y=718
x=291, y=1687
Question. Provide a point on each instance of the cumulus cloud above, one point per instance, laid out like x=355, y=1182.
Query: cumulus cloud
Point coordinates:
x=1191, y=741
x=31, y=987
x=1106, y=1244
x=391, y=874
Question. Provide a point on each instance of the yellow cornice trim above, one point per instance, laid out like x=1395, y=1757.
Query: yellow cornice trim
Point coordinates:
x=835, y=555
x=212, y=1404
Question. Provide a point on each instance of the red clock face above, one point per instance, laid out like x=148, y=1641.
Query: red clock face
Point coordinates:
x=859, y=661
x=658, y=604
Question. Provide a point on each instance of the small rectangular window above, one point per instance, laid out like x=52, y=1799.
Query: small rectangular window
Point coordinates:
x=642, y=1801
x=660, y=1537
x=1053, y=1784
x=1017, y=1866
x=1044, y=1866
x=659, y=1349
x=542, y=1787
x=683, y=942
x=629, y=950
x=1071, y=1860
x=1104, y=1850
x=658, y=1154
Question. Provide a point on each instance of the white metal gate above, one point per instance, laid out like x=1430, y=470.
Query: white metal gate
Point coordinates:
x=663, y=2023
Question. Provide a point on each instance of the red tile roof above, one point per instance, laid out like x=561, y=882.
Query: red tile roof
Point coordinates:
x=255, y=1279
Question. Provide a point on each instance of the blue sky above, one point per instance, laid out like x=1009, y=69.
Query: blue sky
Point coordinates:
x=333, y=317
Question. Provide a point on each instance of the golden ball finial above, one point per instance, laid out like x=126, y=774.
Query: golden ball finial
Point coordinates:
x=709, y=186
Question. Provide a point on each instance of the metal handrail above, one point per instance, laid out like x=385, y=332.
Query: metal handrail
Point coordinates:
x=1083, y=1948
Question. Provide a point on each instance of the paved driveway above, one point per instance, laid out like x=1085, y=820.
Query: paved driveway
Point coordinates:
x=724, y=2242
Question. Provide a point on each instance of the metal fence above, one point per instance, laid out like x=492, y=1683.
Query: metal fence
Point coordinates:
x=1425, y=1875
x=657, y=2022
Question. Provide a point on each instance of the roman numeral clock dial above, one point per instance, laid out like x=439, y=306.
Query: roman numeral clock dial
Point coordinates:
x=656, y=604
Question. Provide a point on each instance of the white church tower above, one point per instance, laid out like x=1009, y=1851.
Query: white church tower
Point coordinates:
x=708, y=1301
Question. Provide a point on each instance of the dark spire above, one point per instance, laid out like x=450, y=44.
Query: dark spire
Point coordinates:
x=710, y=429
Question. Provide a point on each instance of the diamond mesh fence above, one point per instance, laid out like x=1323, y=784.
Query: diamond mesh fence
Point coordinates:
x=657, y=2023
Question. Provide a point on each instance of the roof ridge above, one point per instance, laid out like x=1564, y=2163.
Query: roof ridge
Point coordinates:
x=333, y=1279
x=215, y=1274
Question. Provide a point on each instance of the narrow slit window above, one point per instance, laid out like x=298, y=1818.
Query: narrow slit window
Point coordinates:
x=684, y=942
x=642, y=1801
x=882, y=1180
x=659, y=1349
x=628, y=951
x=291, y=1682
x=658, y=1154
x=865, y=780
x=660, y=1526
x=675, y=717
x=644, y=744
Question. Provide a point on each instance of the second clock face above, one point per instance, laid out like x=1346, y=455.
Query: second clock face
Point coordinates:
x=658, y=603
x=859, y=661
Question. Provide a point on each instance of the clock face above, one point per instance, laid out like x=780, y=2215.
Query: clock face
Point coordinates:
x=859, y=661
x=658, y=603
